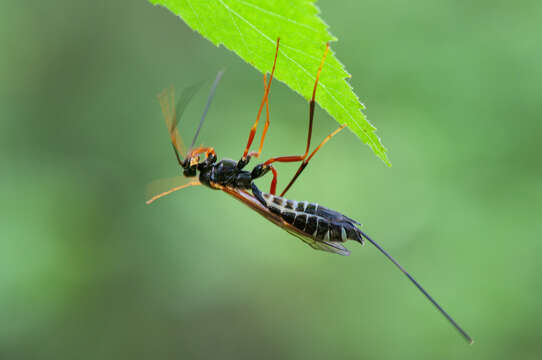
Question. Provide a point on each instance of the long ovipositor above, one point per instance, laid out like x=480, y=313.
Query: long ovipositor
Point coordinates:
x=318, y=226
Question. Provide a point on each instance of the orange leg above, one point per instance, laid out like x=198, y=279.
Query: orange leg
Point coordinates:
x=201, y=150
x=193, y=155
x=305, y=162
x=264, y=101
x=266, y=126
x=311, y=119
x=296, y=158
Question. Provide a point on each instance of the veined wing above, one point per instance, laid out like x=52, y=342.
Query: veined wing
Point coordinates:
x=167, y=103
x=332, y=247
x=173, y=112
x=254, y=204
x=162, y=187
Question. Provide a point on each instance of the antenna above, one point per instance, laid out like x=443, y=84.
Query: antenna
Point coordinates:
x=439, y=308
x=209, y=99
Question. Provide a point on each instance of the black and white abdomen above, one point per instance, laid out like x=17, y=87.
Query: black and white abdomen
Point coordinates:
x=316, y=221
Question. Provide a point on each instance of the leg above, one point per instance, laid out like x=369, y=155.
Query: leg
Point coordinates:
x=273, y=187
x=264, y=101
x=191, y=162
x=266, y=126
x=296, y=158
x=201, y=150
x=193, y=155
x=262, y=169
x=303, y=157
x=305, y=162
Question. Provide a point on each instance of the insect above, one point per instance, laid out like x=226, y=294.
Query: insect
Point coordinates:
x=318, y=226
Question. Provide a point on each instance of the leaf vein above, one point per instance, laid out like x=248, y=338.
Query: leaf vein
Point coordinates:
x=197, y=16
x=322, y=84
x=277, y=15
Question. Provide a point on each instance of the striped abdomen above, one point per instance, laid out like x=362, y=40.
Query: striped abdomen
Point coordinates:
x=315, y=221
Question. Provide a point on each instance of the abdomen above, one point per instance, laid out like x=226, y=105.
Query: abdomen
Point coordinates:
x=315, y=221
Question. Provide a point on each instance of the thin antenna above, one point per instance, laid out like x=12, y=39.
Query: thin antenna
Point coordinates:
x=439, y=308
x=211, y=94
x=155, y=190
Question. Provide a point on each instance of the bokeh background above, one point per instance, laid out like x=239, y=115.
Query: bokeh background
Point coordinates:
x=88, y=271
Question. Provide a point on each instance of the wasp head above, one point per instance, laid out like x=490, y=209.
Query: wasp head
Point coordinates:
x=192, y=163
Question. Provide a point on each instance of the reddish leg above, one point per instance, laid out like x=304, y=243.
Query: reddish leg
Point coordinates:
x=264, y=101
x=201, y=150
x=311, y=119
x=273, y=188
x=266, y=126
x=193, y=155
x=305, y=162
x=296, y=158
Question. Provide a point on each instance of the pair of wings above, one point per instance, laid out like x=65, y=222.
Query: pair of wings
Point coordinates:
x=173, y=112
x=163, y=187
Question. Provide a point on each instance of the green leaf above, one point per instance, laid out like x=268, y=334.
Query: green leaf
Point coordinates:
x=250, y=28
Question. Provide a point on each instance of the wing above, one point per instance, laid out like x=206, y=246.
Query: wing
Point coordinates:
x=254, y=204
x=332, y=247
x=167, y=103
x=162, y=187
x=173, y=113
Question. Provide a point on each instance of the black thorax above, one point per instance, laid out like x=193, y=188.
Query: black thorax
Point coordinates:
x=228, y=173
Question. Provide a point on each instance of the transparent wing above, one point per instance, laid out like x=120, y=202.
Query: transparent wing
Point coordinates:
x=167, y=101
x=209, y=100
x=162, y=187
x=254, y=204
x=173, y=113
x=329, y=246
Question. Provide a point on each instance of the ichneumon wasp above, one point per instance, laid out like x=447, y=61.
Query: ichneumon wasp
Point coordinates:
x=318, y=226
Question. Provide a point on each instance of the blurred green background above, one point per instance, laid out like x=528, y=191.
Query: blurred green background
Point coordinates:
x=88, y=271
